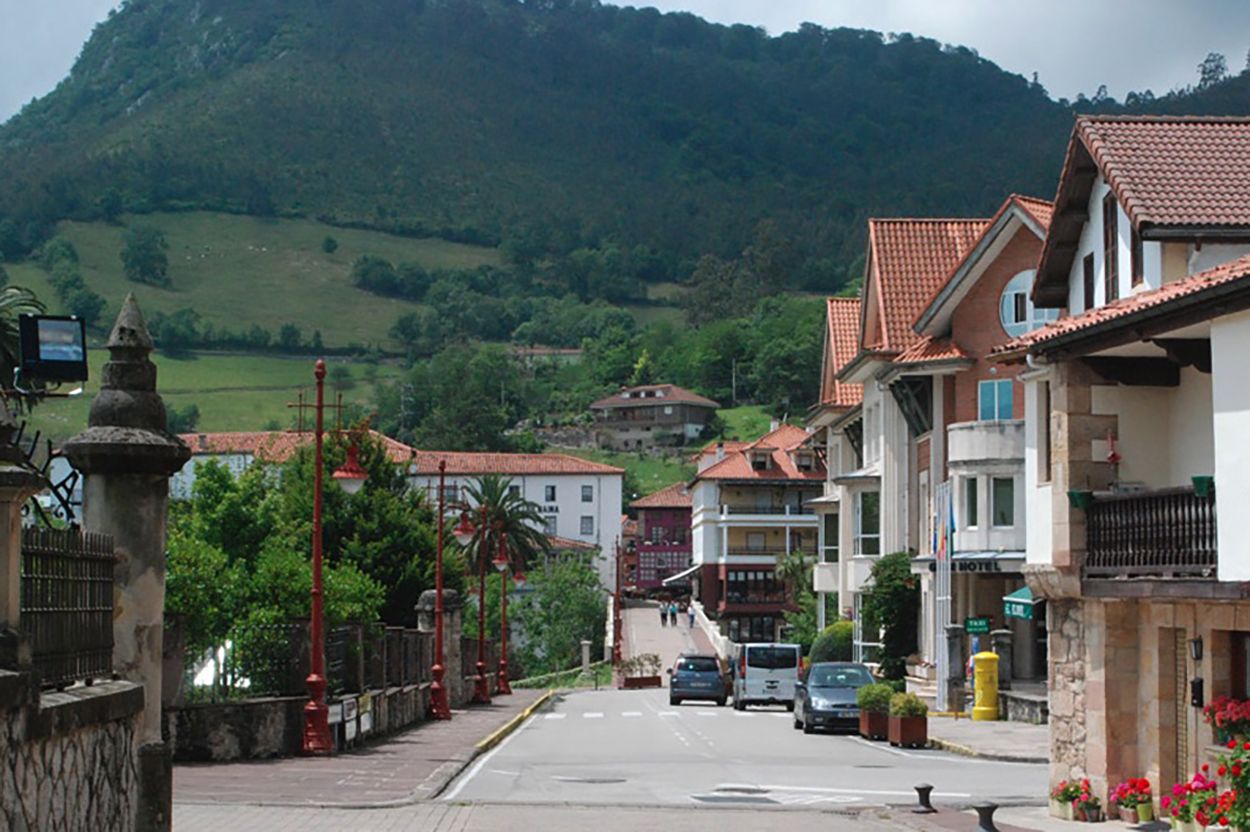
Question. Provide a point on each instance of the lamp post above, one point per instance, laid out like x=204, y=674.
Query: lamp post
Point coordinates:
x=351, y=476
x=617, y=622
x=502, y=688
x=464, y=534
x=440, y=708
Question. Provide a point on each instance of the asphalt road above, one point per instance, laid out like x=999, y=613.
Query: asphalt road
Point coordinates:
x=632, y=748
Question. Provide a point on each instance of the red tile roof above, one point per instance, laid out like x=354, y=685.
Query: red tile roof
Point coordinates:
x=676, y=495
x=567, y=544
x=275, y=446
x=779, y=443
x=841, y=337
x=1235, y=271
x=1040, y=209
x=911, y=258
x=730, y=445
x=468, y=462
x=930, y=349
x=648, y=395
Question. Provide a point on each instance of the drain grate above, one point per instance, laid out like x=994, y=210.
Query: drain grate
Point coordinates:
x=590, y=781
x=733, y=798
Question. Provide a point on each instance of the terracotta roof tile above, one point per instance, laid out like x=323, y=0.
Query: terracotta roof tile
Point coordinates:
x=473, y=463
x=1041, y=209
x=275, y=446
x=929, y=349
x=911, y=259
x=667, y=393
x=841, y=337
x=567, y=544
x=676, y=495
x=1232, y=272
x=737, y=464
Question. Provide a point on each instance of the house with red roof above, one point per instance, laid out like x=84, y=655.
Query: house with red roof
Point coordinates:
x=650, y=416
x=662, y=543
x=749, y=508
x=1137, y=442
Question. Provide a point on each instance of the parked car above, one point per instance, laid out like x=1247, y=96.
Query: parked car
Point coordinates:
x=696, y=677
x=827, y=697
x=765, y=674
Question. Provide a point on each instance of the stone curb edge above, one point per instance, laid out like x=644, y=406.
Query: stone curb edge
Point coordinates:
x=965, y=751
x=511, y=725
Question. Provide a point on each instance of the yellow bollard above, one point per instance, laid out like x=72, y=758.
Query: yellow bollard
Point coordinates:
x=985, y=671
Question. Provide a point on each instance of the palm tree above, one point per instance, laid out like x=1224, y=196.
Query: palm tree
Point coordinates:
x=795, y=570
x=502, y=513
x=14, y=302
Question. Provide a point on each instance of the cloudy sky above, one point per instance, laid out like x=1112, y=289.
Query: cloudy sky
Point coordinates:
x=1074, y=45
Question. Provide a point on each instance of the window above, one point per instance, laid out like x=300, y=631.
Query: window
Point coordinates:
x=657, y=534
x=1015, y=309
x=549, y=493
x=1110, y=252
x=549, y=524
x=514, y=491
x=588, y=524
x=970, y=502
x=1043, y=431
x=449, y=494
x=868, y=523
x=1003, y=502
x=1136, y=268
x=755, y=541
x=588, y=493
x=1089, y=281
x=668, y=410
x=759, y=461
x=994, y=400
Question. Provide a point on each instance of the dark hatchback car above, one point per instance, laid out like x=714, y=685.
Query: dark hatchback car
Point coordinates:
x=826, y=698
x=696, y=677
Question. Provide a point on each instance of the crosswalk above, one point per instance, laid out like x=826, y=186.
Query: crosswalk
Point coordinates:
x=703, y=714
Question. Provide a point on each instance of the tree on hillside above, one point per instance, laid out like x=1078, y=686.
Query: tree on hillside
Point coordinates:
x=144, y=257
x=289, y=337
x=1212, y=70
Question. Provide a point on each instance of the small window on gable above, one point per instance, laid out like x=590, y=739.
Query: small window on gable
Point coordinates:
x=803, y=461
x=1136, y=267
x=1110, y=248
x=759, y=461
x=1088, y=267
x=1016, y=311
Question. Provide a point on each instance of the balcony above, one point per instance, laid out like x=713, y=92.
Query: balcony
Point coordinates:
x=972, y=443
x=772, y=511
x=1167, y=533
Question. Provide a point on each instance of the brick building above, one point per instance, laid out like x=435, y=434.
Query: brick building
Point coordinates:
x=663, y=539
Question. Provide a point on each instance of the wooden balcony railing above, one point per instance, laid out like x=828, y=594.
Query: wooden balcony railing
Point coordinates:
x=1167, y=533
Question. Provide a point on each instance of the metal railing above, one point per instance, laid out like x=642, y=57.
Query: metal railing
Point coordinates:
x=67, y=604
x=1168, y=532
x=781, y=510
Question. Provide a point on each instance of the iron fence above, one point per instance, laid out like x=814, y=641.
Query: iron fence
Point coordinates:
x=67, y=604
x=1168, y=532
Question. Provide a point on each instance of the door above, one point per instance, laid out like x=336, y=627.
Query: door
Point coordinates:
x=1174, y=763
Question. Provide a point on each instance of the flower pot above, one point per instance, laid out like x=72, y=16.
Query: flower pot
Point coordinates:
x=1129, y=814
x=1187, y=825
x=873, y=725
x=1145, y=812
x=909, y=731
x=1203, y=486
x=635, y=682
x=1060, y=809
x=1080, y=499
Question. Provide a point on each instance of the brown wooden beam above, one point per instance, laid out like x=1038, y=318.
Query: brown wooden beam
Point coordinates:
x=1136, y=372
x=1188, y=352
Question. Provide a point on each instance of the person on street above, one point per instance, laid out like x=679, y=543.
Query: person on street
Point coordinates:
x=663, y=614
x=690, y=616
x=672, y=613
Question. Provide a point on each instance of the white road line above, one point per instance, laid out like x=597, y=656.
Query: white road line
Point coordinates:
x=631, y=713
x=706, y=713
x=477, y=767
x=881, y=747
x=832, y=790
x=555, y=716
x=592, y=715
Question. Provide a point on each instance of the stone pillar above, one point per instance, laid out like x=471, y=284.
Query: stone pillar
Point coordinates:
x=1001, y=641
x=954, y=667
x=453, y=628
x=127, y=457
x=1073, y=430
x=17, y=485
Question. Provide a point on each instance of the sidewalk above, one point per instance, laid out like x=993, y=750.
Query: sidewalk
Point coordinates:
x=406, y=767
x=1017, y=742
x=645, y=634
x=1007, y=819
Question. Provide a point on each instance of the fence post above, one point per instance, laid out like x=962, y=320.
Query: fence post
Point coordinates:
x=17, y=485
x=127, y=457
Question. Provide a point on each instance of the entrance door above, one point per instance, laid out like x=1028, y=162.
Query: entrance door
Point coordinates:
x=1174, y=762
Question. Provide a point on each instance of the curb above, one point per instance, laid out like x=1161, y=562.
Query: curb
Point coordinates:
x=965, y=751
x=511, y=725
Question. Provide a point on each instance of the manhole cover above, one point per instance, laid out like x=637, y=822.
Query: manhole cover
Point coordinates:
x=592, y=781
x=732, y=798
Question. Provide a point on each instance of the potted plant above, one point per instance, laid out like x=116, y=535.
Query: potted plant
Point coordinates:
x=1087, y=807
x=1080, y=499
x=1188, y=800
x=1229, y=718
x=641, y=671
x=1231, y=807
x=874, y=709
x=1061, y=797
x=1133, y=800
x=1203, y=486
x=909, y=721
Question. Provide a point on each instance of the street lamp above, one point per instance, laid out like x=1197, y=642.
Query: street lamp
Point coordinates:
x=502, y=688
x=617, y=622
x=440, y=708
x=350, y=476
x=464, y=534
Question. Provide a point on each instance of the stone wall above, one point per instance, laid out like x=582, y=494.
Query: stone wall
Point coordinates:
x=1066, y=627
x=68, y=760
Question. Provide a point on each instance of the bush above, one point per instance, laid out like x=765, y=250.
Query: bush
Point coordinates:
x=834, y=643
x=874, y=698
x=907, y=704
x=329, y=245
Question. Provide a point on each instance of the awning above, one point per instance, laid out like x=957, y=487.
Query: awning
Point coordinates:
x=685, y=573
x=1019, y=604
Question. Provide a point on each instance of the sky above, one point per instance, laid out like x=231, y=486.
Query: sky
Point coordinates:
x=1073, y=45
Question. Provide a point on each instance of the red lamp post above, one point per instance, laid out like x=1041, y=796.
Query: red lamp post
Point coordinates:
x=464, y=534
x=351, y=476
x=502, y=688
x=440, y=708
x=617, y=623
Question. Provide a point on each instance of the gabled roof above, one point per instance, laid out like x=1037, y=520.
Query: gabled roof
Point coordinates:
x=1174, y=176
x=275, y=445
x=648, y=395
x=930, y=350
x=841, y=337
x=473, y=463
x=910, y=259
x=676, y=495
x=778, y=444
x=1130, y=312
x=1016, y=210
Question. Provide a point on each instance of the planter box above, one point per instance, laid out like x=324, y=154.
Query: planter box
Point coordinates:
x=1060, y=809
x=635, y=682
x=909, y=731
x=873, y=725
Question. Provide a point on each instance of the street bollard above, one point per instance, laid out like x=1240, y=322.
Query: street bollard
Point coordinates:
x=985, y=694
x=985, y=817
x=923, y=790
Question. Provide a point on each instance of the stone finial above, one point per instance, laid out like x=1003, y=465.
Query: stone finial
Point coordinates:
x=130, y=331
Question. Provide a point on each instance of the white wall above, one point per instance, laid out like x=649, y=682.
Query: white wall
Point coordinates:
x=1230, y=345
x=1211, y=255
x=1037, y=505
x=704, y=537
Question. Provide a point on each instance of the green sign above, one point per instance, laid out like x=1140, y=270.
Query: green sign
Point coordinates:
x=977, y=626
x=1018, y=609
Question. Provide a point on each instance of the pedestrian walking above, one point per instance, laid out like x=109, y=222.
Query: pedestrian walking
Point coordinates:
x=663, y=614
x=690, y=616
x=672, y=613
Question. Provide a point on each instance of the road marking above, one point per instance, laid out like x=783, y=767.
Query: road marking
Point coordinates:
x=742, y=713
x=555, y=716
x=592, y=715
x=631, y=713
x=504, y=772
x=832, y=790
x=881, y=747
x=706, y=713
x=482, y=761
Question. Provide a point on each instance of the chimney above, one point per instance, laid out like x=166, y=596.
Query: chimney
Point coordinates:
x=773, y=425
x=720, y=451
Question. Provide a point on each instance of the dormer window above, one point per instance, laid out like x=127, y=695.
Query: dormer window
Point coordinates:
x=803, y=461
x=760, y=460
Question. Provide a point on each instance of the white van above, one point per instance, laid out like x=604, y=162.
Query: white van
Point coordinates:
x=765, y=674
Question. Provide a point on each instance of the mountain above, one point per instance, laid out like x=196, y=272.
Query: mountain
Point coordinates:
x=550, y=124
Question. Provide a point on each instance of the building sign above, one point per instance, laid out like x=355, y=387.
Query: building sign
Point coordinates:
x=1019, y=604
x=977, y=626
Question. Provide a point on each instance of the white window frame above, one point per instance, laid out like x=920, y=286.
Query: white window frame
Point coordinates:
x=1011, y=481
x=588, y=493
x=858, y=533
x=587, y=520
x=549, y=493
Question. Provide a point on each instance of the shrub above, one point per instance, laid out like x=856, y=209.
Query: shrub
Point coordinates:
x=907, y=704
x=834, y=643
x=874, y=698
x=329, y=245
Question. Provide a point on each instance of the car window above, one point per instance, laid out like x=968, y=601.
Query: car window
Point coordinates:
x=698, y=664
x=846, y=676
x=772, y=658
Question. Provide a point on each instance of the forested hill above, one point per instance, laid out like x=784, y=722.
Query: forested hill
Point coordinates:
x=545, y=125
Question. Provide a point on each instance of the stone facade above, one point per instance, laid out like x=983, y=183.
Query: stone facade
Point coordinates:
x=1065, y=627
x=68, y=761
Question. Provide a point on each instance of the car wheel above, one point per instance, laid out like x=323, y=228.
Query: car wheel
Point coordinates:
x=720, y=703
x=673, y=700
x=790, y=706
x=808, y=729
x=739, y=705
